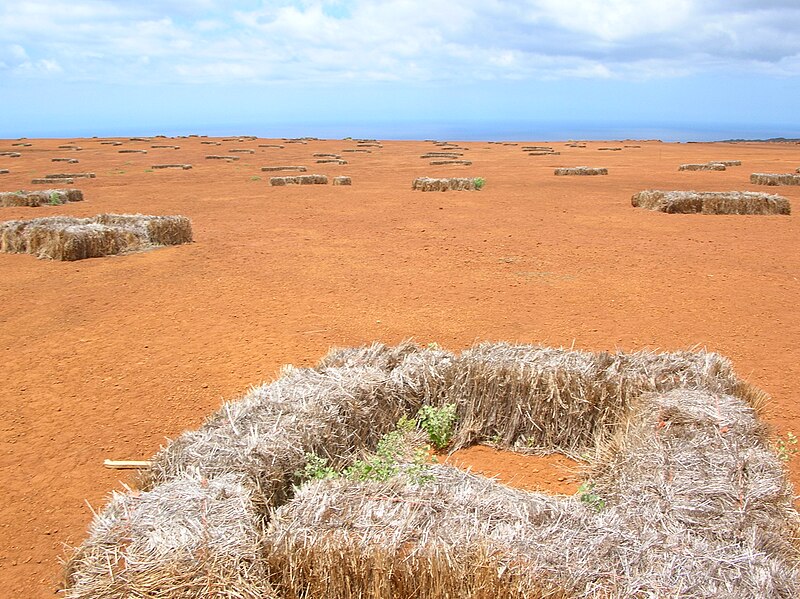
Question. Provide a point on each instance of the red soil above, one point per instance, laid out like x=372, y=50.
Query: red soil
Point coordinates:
x=104, y=358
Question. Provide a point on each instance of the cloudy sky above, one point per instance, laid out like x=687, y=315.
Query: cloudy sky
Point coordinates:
x=691, y=69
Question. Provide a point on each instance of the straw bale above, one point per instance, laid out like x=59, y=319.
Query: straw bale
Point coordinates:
x=728, y=162
x=453, y=183
x=331, y=161
x=139, y=139
x=190, y=538
x=71, y=176
x=376, y=355
x=342, y=180
x=242, y=151
x=68, y=238
x=581, y=170
x=270, y=146
x=537, y=399
x=369, y=145
x=217, y=157
x=336, y=413
x=544, y=153
x=166, y=147
x=537, y=149
x=185, y=167
x=711, y=202
x=299, y=180
x=23, y=144
x=708, y=166
x=269, y=169
x=68, y=147
x=10, y=154
x=3, y=171
x=324, y=155
x=68, y=160
x=211, y=143
x=611, y=149
x=442, y=155
x=41, y=197
x=132, y=151
x=110, y=143
x=774, y=179
x=359, y=151
x=60, y=181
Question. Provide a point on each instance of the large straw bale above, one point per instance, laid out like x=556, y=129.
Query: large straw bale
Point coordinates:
x=774, y=179
x=342, y=180
x=39, y=198
x=267, y=434
x=580, y=170
x=190, y=538
x=299, y=180
x=445, y=184
x=68, y=238
x=376, y=355
x=442, y=155
x=708, y=166
x=243, y=151
x=711, y=202
x=543, y=153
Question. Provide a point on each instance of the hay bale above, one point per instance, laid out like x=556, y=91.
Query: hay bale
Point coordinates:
x=270, y=146
x=454, y=183
x=69, y=147
x=68, y=160
x=218, y=157
x=324, y=155
x=4, y=171
x=71, y=176
x=708, y=166
x=335, y=413
x=59, y=181
x=110, y=143
x=10, y=154
x=22, y=144
x=299, y=180
x=580, y=171
x=688, y=501
x=269, y=169
x=190, y=538
x=610, y=149
x=544, y=153
x=460, y=162
x=342, y=180
x=45, y=197
x=331, y=161
x=211, y=143
x=185, y=167
x=359, y=151
x=132, y=151
x=774, y=179
x=728, y=162
x=369, y=145
x=166, y=147
x=242, y=151
x=442, y=155
x=68, y=238
x=711, y=202
x=537, y=149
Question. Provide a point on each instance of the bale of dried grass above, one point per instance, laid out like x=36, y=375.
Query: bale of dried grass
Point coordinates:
x=279, y=146
x=728, y=162
x=68, y=160
x=211, y=143
x=334, y=413
x=10, y=154
x=68, y=238
x=452, y=183
x=538, y=400
x=299, y=180
x=358, y=151
x=331, y=161
x=242, y=151
x=711, y=202
x=190, y=538
x=184, y=167
x=71, y=176
x=4, y=171
x=269, y=169
x=132, y=151
x=442, y=155
x=451, y=162
x=166, y=147
x=708, y=166
x=41, y=197
x=774, y=179
x=580, y=170
x=325, y=155
x=110, y=143
x=218, y=157
x=342, y=180
x=615, y=149
x=60, y=181
x=544, y=153
x=139, y=139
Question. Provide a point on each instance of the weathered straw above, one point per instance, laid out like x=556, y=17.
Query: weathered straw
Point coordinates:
x=299, y=180
x=59, y=181
x=708, y=166
x=268, y=169
x=460, y=162
x=71, y=176
x=68, y=160
x=184, y=167
x=580, y=170
x=453, y=183
x=342, y=180
x=711, y=202
x=775, y=179
x=39, y=198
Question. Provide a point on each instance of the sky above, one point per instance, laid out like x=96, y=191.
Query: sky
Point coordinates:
x=467, y=69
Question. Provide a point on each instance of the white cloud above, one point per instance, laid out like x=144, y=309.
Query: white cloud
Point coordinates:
x=405, y=40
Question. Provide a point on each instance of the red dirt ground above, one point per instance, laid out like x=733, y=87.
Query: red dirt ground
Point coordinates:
x=104, y=358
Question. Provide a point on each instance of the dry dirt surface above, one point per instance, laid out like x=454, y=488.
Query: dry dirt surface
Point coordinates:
x=107, y=357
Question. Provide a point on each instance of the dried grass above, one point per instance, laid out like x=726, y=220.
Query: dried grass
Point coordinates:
x=132, y=151
x=71, y=176
x=270, y=169
x=775, y=179
x=218, y=157
x=708, y=166
x=68, y=238
x=452, y=183
x=40, y=198
x=60, y=181
x=342, y=180
x=184, y=167
x=67, y=160
x=299, y=180
x=711, y=202
x=580, y=170
x=443, y=162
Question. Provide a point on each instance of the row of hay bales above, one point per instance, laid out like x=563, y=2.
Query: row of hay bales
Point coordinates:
x=711, y=202
x=686, y=498
x=70, y=238
x=580, y=171
x=447, y=184
x=775, y=178
x=44, y=197
x=309, y=180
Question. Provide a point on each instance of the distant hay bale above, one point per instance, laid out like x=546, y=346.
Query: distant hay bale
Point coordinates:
x=728, y=162
x=69, y=238
x=22, y=144
x=70, y=176
x=457, y=162
x=638, y=146
x=442, y=155
x=708, y=166
x=69, y=147
x=711, y=202
x=342, y=180
x=610, y=149
x=139, y=139
x=166, y=147
x=544, y=153
x=358, y=151
x=218, y=157
x=775, y=179
x=59, y=181
x=10, y=154
x=446, y=184
x=369, y=145
x=295, y=141
x=279, y=146
x=242, y=151
x=331, y=161
x=325, y=155
x=537, y=149
x=185, y=167
x=68, y=160
x=688, y=498
x=580, y=170
x=188, y=538
x=132, y=151
x=110, y=143
x=299, y=180
x=43, y=197
x=211, y=143
x=4, y=171
x=268, y=169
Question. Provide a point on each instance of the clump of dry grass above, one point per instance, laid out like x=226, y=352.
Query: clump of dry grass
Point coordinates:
x=342, y=180
x=711, y=202
x=580, y=170
x=452, y=183
x=708, y=166
x=775, y=179
x=190, y=537
x=68, y=238
x=270, y=169
x=40, y=198
x=299, y=180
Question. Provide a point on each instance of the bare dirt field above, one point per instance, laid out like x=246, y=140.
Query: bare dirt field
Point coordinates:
x=107, y=357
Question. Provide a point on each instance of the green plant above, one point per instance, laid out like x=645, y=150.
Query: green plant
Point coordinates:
x=438, y=423
x=55, y=200
x=587, y=495
x=786, y=448
x=316, y=468
x=255, y=178
x=148, y=170
x=479, y=182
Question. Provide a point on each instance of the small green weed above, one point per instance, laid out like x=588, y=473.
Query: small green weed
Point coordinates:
x=55, y=200
x=255, y=178
x=317, y=468
x=479, y=182
x=589, y=497
x=786, y=448
x=438, y=423
x=148, y=170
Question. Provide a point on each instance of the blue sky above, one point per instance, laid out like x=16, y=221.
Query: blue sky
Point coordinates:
x=531, y=69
